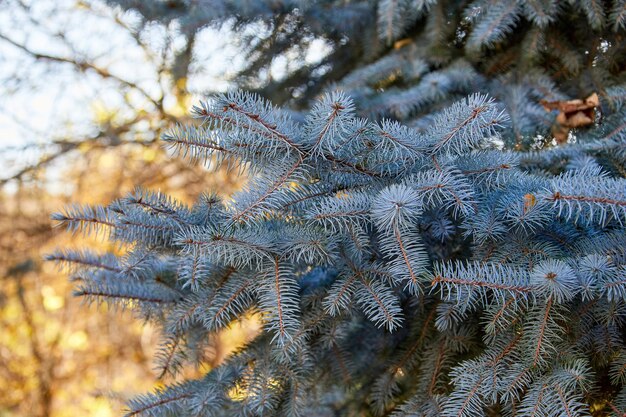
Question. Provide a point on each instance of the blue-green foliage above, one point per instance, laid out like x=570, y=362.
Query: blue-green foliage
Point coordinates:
x=408, y=250
x=407, y=59
x=422, y=271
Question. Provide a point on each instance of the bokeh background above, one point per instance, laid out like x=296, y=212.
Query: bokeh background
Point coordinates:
x=85, y=93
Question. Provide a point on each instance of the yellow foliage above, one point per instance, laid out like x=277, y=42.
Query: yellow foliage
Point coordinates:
x=102, y=114
x=77, y=340
x=51, y=301
x=59, y=357
x=149, y=154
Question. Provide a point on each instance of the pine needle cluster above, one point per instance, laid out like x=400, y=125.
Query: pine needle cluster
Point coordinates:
x=395, y=271
x=408, y=252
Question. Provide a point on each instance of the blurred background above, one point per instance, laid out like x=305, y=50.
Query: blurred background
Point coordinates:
x=86, y=90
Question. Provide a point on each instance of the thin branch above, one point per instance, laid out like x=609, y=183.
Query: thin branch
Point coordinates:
x=82, y=66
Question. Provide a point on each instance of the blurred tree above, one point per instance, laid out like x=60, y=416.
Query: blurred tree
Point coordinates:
x=61, y=58
x=49, y=365
x=56, y=359
x=85, y=92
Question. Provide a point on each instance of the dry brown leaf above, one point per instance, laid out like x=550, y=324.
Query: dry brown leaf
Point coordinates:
x=529, y=201
x=401, y=43
x=572, y=114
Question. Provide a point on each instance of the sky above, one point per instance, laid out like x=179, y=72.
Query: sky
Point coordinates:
x=41, y=101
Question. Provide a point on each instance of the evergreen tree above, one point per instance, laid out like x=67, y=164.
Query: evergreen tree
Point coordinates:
x=407, y=59
x=422, y=261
